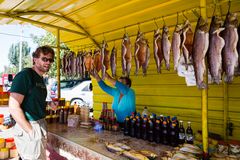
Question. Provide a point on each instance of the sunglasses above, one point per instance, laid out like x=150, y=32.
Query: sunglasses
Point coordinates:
x=45, y=59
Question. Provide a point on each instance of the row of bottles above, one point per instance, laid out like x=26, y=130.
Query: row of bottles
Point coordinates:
x=159, y=129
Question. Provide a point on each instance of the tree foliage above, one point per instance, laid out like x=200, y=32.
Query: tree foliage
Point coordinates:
x=49, y=39
x=14, y=54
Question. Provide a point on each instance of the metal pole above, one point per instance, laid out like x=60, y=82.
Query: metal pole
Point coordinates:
x=58, y=62
x=204, y=96
x=20, y=50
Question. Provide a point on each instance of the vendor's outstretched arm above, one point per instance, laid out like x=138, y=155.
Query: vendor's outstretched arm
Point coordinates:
x=122, y=87
x=102, y=84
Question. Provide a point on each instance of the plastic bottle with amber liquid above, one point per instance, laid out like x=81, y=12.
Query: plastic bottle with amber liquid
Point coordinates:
x=126, y=131
x=144, y=132
x=189, y=134
x=150, y=130
x=132, y=127
x=181, y=133
x=138, y=126
x=157, y=131
x=173, y=134
x=165, y=132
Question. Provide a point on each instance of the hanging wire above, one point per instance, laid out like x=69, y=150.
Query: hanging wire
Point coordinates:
x=155, y=22
x=215, y=6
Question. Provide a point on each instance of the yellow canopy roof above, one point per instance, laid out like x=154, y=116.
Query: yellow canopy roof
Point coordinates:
x=88, y=22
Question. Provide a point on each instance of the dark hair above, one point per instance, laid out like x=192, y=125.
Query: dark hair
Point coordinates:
x=44, y=50
x=128, y=81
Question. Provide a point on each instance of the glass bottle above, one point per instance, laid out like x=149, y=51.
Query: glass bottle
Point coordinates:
x=181, y=137
x=189, y=134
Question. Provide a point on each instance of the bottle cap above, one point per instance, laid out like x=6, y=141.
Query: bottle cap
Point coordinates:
x=9, y=139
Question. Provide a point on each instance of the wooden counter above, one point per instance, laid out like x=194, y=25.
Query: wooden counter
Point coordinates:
x=87, y=144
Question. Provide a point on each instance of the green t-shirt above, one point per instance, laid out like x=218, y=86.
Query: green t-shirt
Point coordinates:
x=31, y=85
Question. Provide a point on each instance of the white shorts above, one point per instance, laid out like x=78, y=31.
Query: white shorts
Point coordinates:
x=31, y=146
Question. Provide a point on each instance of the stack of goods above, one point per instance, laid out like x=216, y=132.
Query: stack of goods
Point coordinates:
x=84, y=116
x=126, y=151
x=187, y=151
x=158, y=129
x=108, y=119
x=7, y=148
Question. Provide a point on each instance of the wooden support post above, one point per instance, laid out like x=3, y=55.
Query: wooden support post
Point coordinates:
x=225, y=109
x=58, y=62
x=204, y=96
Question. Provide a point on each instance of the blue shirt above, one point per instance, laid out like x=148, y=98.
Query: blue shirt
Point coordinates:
x=126, y=105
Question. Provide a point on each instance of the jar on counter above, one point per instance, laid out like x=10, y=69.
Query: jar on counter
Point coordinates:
x=13, y=152
x=4, y=153
x=2, y=143
x=1, y=118
x=9, y=142
x=48, y=119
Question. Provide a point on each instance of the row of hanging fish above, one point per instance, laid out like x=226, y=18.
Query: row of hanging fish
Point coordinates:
x=76, y=65
x=220, y=46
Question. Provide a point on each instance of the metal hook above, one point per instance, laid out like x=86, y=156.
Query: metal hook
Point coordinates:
x=177, y=18
x=215, y=6
x=155, y=22
x=104, y=37
x=125, y=30
x=139, y=27
x=163, y=21
x=184, y=15
x=229, y=6
x=196, y=14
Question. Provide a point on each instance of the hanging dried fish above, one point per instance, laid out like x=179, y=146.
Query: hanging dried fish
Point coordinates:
x=166, y=46
x=187, y=43
x=104, y=59
x=229, y=52
x=126, y=55
x=64, y=61
x=157, y=45
x=200, y=47
x=216, y=43
x=97, y=60
x=88, y=61
x=238, y=49
x=176, y=43
x=142, y=53
x=113, y=61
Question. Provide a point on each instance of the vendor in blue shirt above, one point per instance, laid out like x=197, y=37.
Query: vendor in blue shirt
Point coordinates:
x=123, y=96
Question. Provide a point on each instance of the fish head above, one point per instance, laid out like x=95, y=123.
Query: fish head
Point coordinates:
x=157, y=33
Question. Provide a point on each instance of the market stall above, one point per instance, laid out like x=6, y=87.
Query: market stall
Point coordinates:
x=165, y=88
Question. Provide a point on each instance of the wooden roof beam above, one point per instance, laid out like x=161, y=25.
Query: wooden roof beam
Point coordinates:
x=57, y=15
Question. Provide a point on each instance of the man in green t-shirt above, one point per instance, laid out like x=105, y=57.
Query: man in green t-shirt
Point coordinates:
x=27, y=106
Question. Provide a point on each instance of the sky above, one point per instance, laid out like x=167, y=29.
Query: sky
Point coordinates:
x=10, y=34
